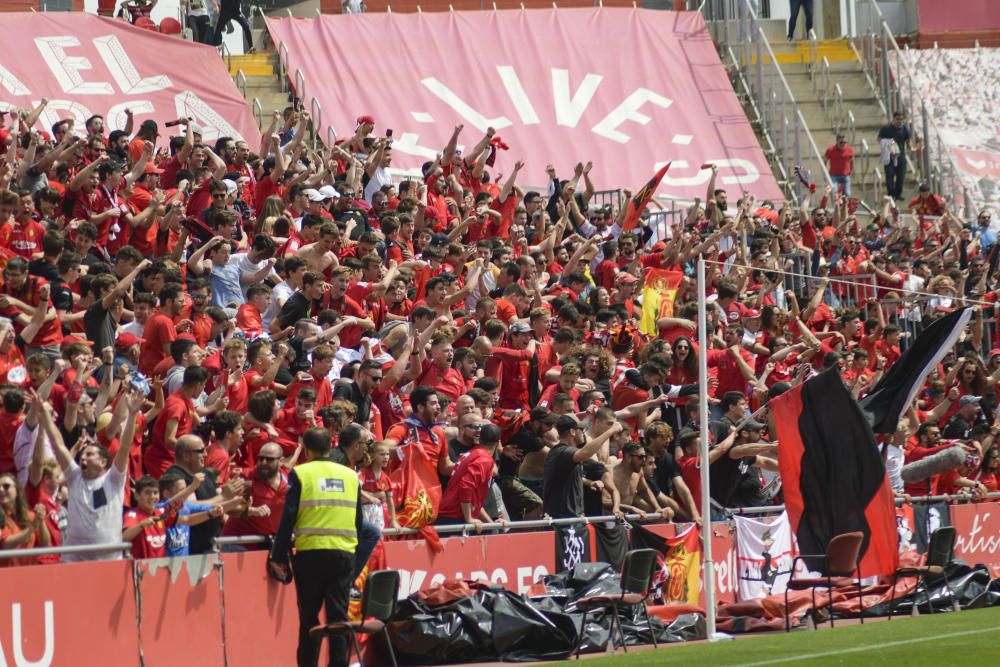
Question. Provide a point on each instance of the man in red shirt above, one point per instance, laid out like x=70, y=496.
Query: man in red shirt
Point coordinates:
x=338, y=300
x=20, y=296
x=160, y=330
x=926, y=203
x=468, y=487
x=839, y=160
x=734, y=366
x=178, y=418
x=437, y=371
x=23, y=236
x=294, y=420
x=267, y=497
x=315, y=378
x=516, y=364
x=421, y=426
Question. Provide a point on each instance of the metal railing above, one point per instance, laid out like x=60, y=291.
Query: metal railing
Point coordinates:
x=226, y=55
x=898, y=91
x=316, y=122
x=300, y=84
x=283, y=66
x=607, y=199
x=123, y=547
x=742, y=42
x=241, y=82
x=258, y=112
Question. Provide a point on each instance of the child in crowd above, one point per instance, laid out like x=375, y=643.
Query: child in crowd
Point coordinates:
x=376, y=483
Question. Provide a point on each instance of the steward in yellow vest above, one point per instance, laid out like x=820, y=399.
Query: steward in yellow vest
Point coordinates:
x=323, y=510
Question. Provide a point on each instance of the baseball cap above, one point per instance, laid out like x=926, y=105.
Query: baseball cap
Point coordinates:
x=314, y=195
x=967, y=399
x=366, y=119
x=625, y=278
x=196, y=129
x=752, y=425
x=686, y=434
x=994, y=352
x=566, y=423
x=540, y=414
x=751, y=314
x=329, y=192
x=520, y=328
x=127, y=340
x=230, y=185
x=151, y=169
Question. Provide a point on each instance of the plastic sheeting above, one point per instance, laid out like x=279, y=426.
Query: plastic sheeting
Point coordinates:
x=496, y=624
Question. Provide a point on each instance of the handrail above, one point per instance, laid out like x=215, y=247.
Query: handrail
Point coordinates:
x=852, y=128
x=241, y=82
x=300, y=84
x=813, y=53
x=258, y=113
x=316, y=122
x=283, y=66
x=227, y=55
x=838, y=107
x=74, y=549
x=742, y=41
x=331, y=136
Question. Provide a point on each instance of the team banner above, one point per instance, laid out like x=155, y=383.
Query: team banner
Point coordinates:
x=678, y=575
x=572, y=546
x=765, y=551
x=87, y=65
x=658, y=295
x=627, y=85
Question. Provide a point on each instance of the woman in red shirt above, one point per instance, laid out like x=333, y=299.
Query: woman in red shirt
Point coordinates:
x=22, y=528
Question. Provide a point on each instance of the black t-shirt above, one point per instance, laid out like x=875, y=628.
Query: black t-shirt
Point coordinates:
x=593, y=500
x=726, y=474
x=203, y=534
x=99, y=325
x=562, y=488
x=899, y=134
x=528, y=443
x=958, y=428
x=296, y=308
x=457, y=449
x=357, y=215
x=666, y=470
x=352, y=393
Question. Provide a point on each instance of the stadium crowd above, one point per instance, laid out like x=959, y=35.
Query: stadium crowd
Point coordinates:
x=176, y=323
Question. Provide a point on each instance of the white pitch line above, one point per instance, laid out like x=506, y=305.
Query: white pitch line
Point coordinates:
x=872, y=647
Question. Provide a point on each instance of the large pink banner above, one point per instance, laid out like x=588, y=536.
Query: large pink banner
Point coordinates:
x=938, y=16
x=629, y=89
x=87, y=65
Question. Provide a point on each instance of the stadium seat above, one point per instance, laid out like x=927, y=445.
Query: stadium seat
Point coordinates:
x=146, y=23
x=841, y=567
x=939, y=554
x=378, y=604
x=170, y=26
x=637, y=572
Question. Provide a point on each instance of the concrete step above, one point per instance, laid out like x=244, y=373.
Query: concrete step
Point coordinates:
x=853, y=90
x=845, y=67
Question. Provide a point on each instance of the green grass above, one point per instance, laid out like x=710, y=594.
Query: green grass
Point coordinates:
x=966, y=638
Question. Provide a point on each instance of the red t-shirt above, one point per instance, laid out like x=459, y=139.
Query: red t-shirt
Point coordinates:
x=152, y=541
x=729, y=373
x=290, y=429
x=50, y=333
x=840, y=160
x=261, y=493
x=158, y=333
x=9, y=423
x=324, y=392
x=23, y=241
x=469, y=484
x=448, y=382
x=516, y=365
x=177, y=406
x=248, y=319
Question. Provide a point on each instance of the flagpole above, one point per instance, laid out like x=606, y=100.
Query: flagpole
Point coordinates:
x=708, y=568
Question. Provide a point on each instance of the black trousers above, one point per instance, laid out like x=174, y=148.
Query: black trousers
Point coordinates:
x=322, y=576
x=229, y=10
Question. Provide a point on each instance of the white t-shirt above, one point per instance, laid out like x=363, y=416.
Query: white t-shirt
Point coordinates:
x=94, y=509
x=281, y=293
x=375, y=183
x=133, y=328
x=24, y=448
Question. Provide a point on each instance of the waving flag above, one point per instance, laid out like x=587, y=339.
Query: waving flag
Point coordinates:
x=678, y=574
x=885, y=404
x=639, y=200
x=832, y=476
x=658, y=296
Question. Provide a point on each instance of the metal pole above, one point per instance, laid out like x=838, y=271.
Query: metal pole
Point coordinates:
x=708, y=574
x=926, y=157
x=884, y=74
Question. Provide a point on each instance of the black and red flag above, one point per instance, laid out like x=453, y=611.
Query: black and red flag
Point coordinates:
x=832, y=475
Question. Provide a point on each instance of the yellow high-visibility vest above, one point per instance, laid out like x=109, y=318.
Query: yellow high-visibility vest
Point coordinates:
x=328, y=507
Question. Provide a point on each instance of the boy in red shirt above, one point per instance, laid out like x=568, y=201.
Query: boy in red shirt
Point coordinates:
x=146, y=525
x=462, y=501
x=248, y=317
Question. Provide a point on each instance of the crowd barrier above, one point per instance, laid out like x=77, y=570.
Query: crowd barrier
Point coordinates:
x=224, y=610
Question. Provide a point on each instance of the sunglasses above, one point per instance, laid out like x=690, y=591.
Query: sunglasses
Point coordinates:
x=474, y=427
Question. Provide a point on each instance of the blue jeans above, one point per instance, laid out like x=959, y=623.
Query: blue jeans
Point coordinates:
x=844, y=182
x=367, y=539
x=807, y=5
x=895, y=178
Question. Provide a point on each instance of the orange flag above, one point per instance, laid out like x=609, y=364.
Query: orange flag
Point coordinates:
x=638, y=201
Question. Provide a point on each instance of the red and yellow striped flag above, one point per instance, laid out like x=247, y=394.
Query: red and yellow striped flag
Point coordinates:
x=658, y=297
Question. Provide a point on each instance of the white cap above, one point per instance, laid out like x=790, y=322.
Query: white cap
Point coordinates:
x=314, y=195
x=230, y=185
x=329, y=192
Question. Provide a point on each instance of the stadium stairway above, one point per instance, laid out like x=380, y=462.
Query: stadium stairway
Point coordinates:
x=257, y=75
x=833, y=92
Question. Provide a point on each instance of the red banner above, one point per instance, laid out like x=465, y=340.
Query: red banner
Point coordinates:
x=629, y=89
x=977, y=529
x=86, y=65
x=59, y=614
x=937, y=16
x=979, y=163
x=727, y=583
x=515, y=561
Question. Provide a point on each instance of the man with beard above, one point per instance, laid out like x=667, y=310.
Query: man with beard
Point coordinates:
x=563, y=481
x=266, y=499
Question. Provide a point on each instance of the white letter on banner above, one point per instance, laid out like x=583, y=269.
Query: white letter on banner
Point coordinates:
x=750, y=173
x=407, y=143
x=517, y=94
x=11, y=83
x=67, y=68
x=214, y=125
x=79, y=113
x=115, y=119
x=629, y=110
x=476, y=119
x=569, y=110
x=126, y=75
x=50, y=637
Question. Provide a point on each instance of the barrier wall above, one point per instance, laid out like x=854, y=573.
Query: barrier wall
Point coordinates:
x=223, y=609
